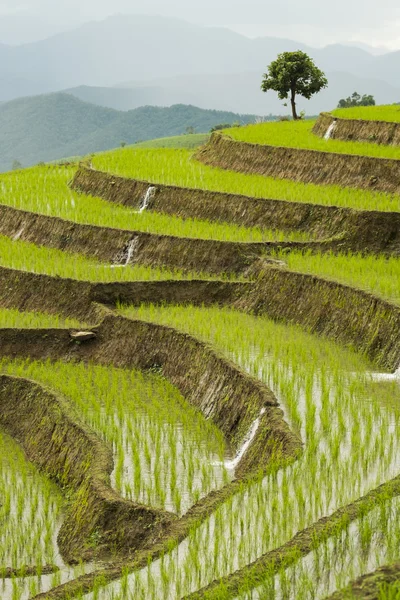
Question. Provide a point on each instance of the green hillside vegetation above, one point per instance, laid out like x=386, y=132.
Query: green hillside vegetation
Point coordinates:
x=299, y=134
x=370, y=113
x=53, y=126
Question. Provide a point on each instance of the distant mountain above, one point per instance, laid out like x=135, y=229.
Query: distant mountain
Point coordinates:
x=49, y=127
x=238, y=92
x=143, y=48
x=375, y=50
x=22, y=29
x=133, y=96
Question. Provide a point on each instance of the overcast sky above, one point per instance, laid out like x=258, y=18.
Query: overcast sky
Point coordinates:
x=315, y=22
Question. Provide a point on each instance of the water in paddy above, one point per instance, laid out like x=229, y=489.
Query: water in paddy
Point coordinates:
x=165, y=453
x=349, y=426
x=361, y=548
x=31, y=513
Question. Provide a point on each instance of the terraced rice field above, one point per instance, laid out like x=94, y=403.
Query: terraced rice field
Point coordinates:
x=370, y=113
x=199, y=384
x=299, y=135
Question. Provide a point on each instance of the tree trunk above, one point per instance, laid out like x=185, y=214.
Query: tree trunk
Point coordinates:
x=293, y=103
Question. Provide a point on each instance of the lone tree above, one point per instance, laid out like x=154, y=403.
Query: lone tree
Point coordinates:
x=291, y=74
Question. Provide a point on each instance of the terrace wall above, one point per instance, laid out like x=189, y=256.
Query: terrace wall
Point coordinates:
x=358, y=230
x=344, y=314
x=308, y=166
x=339, y=312
x=359, y=130
x=107, y=244
x=230, y=397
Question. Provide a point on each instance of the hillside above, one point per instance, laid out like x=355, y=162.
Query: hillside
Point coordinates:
x=44, y=128
x=127, y=48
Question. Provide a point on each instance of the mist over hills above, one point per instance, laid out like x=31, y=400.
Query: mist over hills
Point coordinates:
x=171, y=61
x=53, y=126
x=238, y=92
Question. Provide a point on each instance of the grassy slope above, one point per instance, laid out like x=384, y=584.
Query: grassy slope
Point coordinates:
x=298, y=134
x=370, y=113
x=176, y=167
x=190, y=141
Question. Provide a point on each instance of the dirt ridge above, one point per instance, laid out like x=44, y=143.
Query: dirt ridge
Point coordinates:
x=359, y=230
x=222, y=391
x=111, y=245
x=361, y=130
x=348, y=315
x=298, y=164
x=369, y=586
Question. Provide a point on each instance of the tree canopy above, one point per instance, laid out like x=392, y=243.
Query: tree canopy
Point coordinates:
x=292, y=74
x=356, y=100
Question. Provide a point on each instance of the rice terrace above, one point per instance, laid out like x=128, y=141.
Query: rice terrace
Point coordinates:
x=200, y=367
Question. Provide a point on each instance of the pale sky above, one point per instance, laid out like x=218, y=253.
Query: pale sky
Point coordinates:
x=314, y=22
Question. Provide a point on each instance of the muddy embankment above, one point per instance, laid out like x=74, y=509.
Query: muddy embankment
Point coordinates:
x=115, y=245
x=368, y=231
x=307, y=166
x=32, y=292
x=369, y=587
x=66, y=450
x=303, y=543
x=224, y=393
x=358, y=130
x=344, y=314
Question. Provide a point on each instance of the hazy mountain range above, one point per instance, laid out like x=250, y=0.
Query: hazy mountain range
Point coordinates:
x=53, y=126
x=161, y=61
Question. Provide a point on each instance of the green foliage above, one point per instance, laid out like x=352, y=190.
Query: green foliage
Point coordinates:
x=50, y=127
x=356, y=100
x=222, y=126
x=292, y=74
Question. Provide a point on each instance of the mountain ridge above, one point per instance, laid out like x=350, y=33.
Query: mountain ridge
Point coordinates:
x=123, y=48
x=54, y=126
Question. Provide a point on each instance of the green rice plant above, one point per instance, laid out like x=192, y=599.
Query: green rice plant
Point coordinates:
x=31, y=511
x=298, y=134
x=351, y=447
x=389, y=591
x=44, y=190
x=192, y=140
x=177, y=167
x=165, y=453
x=34, y=320
x=25, y=256
x=378, y=275
x=388, y=112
